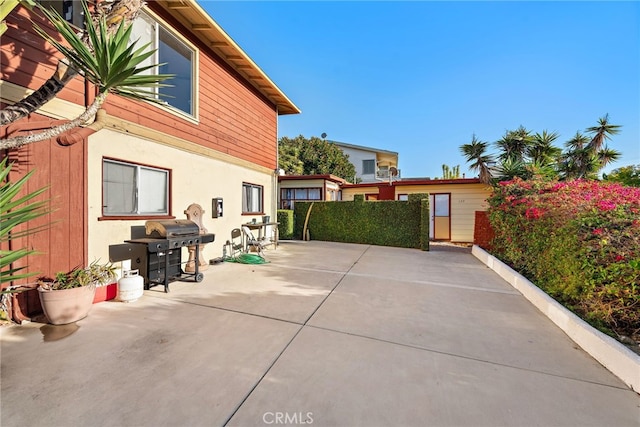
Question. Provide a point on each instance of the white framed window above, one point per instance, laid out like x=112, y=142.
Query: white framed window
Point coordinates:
x=288, y=196
x=441, y=203
x=130, y=189
x=71, y=11
x=251, y=198
x=177, y=56
x=368, y=167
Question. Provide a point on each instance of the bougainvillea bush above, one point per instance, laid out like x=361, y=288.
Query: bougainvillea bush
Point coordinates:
x=579, y=241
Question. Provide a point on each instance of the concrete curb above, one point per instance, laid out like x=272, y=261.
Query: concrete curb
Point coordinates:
x=614, y=356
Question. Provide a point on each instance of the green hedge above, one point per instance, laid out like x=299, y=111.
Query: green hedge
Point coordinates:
x=386, y=223
x=285, y=224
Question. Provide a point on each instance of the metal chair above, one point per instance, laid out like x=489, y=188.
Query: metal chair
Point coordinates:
x=251, y=241
x=236, y=244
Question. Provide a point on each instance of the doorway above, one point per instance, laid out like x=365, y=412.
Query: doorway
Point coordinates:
x=440, y=216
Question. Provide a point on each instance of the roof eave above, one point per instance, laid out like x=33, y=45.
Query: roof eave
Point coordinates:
x=193, y=17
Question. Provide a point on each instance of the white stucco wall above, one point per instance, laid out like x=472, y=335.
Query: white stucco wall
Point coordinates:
x=356, y=157
x=195, y=178
x=303, y=183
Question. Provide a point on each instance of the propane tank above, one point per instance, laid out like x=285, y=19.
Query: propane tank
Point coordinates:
x=130, y=286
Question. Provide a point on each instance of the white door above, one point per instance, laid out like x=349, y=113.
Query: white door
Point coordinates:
x=440, y=216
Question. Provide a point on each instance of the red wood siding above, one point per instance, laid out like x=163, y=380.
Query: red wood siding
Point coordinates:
x=386, y=192
x=62, y=245
x=234, y=118
x=29, y=61
x=62, y=170
x=483, y=234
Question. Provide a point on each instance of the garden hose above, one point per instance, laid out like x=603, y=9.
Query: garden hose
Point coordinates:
x=247, y=259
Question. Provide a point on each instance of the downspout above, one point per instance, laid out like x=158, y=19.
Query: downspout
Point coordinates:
x=276, y=172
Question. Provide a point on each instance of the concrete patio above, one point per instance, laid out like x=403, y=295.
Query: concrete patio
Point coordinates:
x=326, y=334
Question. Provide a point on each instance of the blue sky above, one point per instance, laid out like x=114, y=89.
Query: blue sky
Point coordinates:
x=421, y=77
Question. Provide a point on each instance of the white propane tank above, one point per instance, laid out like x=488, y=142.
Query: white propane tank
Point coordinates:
x=130, y=286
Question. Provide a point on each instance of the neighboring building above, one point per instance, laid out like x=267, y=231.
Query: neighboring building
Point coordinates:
x=453, y=202
x=217, y=138
x=294, y=188
x=372, y=164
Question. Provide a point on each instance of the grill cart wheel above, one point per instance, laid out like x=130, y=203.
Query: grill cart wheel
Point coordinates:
x=199, y=277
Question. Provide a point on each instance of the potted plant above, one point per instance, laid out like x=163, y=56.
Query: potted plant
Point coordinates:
x=68, y=297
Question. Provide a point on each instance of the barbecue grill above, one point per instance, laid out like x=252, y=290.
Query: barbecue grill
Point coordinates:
x=155, y=249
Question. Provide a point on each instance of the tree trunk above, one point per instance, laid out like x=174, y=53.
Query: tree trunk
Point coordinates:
x=37, y=99
x=19, y=141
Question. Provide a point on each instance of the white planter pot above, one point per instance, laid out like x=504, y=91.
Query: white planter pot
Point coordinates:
x=64, y=306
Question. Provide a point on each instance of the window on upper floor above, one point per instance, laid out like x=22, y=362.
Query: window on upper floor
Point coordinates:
x=368, y=167
x=70, y=10
x=252, y=198
x=130, y=189
x=177, y=56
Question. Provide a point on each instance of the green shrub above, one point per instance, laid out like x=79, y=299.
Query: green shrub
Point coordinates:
x=285, y=224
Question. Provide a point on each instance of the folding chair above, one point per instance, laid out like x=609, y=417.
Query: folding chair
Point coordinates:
x=235, y=244
x=251, y=241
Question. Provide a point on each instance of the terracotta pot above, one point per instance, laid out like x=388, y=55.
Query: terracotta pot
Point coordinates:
x=64, y=306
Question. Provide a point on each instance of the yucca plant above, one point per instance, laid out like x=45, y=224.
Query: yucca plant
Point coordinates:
x=109, y=61
x=94, y=274
x=16, y=211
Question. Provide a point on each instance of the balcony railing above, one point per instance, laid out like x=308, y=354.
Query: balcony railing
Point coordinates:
x=383, y=173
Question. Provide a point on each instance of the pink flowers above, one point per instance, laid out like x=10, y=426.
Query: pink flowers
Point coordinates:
x=534, y=213
x=567, y=197
x=579, y=240
x=606, y=205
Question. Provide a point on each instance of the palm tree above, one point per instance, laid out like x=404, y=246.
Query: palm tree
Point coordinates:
x=113, y=11
x=510, y=168
x=572, y=160
x=608, y=155
x=602, y=132
x=108, y=61
x=476, y=152
x=578, y=141
x=585, y=157
x=514, y=144
x=542, y=151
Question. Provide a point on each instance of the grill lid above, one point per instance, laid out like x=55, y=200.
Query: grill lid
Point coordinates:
x=171, y=228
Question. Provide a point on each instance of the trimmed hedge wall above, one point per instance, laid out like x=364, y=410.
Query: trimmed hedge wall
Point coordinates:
x=402, y=224
x=285, y=224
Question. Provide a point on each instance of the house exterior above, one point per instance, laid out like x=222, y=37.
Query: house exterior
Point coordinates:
x=453, y=202
x=372, y=164
x=294, y=188
x=216, y=138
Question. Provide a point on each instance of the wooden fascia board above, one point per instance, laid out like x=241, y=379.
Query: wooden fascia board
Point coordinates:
x=222, y=44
